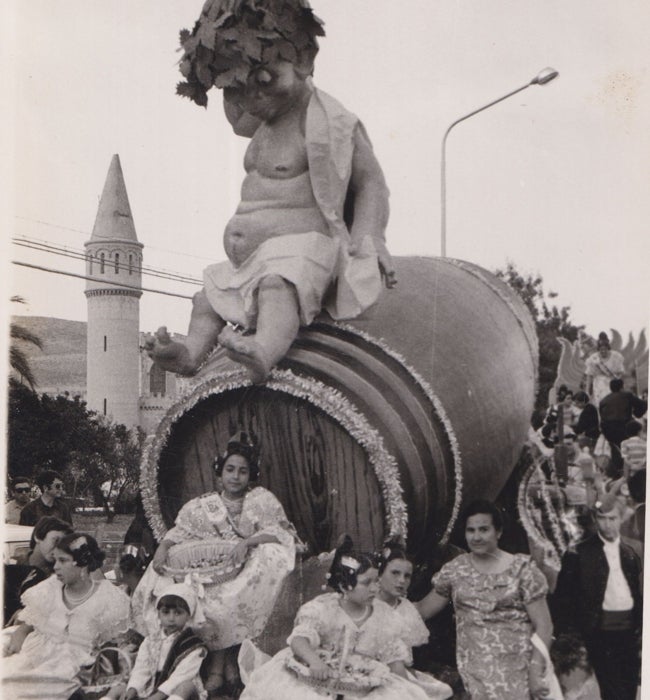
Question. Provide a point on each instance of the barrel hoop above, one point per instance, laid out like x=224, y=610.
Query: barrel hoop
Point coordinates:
x=438, y=409
x=324, y=397
x=529, y=330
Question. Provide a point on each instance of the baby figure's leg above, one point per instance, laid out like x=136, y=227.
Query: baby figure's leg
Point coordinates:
x=186, y=356
x=278, y=322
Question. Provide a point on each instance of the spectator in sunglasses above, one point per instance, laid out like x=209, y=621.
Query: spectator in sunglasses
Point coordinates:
x=21, y=489
x=50, y=502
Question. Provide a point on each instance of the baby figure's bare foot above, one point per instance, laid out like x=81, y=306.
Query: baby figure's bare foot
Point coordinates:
x=246, y=351
x=169, y=354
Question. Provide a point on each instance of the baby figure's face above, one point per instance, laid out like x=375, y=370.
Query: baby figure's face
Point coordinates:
x=272, y=90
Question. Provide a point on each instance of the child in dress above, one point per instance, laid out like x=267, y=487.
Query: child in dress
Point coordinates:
x=573, y=670
x=348, y=635
x=168, y=661
x=395, y=572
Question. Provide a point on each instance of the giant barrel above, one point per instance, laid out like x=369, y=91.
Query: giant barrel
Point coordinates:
x=381, y=426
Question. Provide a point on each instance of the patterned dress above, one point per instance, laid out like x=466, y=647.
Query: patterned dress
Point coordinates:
x=415, y=633
x=63, y=639
x=493, y=647
x=323, y=623
x=237, y=609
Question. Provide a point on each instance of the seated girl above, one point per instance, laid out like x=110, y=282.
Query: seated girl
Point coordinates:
x=395, y=572
x=65, y=620
x=341, y=639
x=250, y=519
x=168, y=661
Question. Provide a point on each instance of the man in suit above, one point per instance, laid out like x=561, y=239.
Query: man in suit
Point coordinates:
x=598, y=595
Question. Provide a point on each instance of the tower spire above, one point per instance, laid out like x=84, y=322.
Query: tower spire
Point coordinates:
x=114, y=220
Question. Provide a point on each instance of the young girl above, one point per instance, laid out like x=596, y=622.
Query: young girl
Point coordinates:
x=347, y=634
x=395, y=572
x=168, y=662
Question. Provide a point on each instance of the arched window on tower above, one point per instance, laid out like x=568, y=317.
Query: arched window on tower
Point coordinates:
x=130, y=264
x=157, y=380
x=89, y=258
x=117, y=262
x=102, y=260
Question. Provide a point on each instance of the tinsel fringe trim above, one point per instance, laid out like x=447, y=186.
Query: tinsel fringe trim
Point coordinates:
x=439, y=410
x=315, y=392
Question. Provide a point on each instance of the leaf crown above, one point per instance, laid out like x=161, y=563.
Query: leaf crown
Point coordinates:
x=232, y=37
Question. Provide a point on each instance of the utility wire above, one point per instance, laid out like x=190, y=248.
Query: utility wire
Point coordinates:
x=101, y=281
x=64, y=251
x=86, y=233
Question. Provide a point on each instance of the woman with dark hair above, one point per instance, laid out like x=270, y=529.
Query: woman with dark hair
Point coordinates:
x=252, y=520
x=344, y=637
x=395, y=573
x=66, y=619
x=503, y=624
x=601, y=367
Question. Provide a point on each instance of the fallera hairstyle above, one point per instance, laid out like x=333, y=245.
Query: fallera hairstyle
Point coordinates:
x=603, y=340
x=562, y=391
x=636, y=486
x=348, y=565
x=48, y=523
x=483, y=507
x=130, y=564
x=173, y=601
x=391, y=551
x=632, y=428
x=616, y=384
x=46, y=478
x=83, y=549
x=240, y=444
x=581, y=396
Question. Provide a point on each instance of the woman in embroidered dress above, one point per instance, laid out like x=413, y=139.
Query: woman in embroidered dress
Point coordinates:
x=395, y=572
x=65, y=619
x=601, y=367
x=249, y=516
x=349, y=631
x=503, y=624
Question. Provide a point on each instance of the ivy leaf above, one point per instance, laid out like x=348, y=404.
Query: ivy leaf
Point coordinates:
x=184, y=36
x=204, y=74
x=194, y=92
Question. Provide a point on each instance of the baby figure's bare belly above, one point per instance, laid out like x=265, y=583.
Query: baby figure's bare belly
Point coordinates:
x=271, y=207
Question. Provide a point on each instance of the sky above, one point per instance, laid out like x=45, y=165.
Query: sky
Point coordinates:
x=554, y=179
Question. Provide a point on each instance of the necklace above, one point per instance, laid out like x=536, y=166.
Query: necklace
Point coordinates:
x=366, y=610
x=78, y=599
x=234, y=506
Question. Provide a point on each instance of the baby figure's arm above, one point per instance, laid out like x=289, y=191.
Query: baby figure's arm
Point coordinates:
x=370, y=195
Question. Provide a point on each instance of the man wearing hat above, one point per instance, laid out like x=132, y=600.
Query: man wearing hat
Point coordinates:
x=598, y=595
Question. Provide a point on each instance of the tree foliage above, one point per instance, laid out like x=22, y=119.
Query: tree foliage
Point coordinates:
x=17, y=356
x=97, y=459
x=551, y=322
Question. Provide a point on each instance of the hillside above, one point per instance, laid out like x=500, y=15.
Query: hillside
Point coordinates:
x=62, y=362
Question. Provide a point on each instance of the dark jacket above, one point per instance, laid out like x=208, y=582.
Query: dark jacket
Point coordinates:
x=36, y=509
x=588, y=424
x=620, y=406
x=577, y=603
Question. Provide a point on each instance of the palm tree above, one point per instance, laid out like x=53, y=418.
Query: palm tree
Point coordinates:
x=17, y=357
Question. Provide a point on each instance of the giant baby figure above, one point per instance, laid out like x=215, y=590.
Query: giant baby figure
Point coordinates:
x=308, y=233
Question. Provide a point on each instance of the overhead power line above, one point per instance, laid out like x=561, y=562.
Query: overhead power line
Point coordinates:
x=97, y=279
x=46, y=247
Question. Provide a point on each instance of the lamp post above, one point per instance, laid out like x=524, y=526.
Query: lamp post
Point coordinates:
x=543, y=77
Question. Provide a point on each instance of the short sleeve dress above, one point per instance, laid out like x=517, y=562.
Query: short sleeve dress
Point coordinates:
x=493, y=647
x=323, y=622
x=63, y=639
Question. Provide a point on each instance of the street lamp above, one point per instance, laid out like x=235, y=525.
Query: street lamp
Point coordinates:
x=543, y=77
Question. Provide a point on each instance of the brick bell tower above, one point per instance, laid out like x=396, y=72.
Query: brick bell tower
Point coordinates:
x=114, y=261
